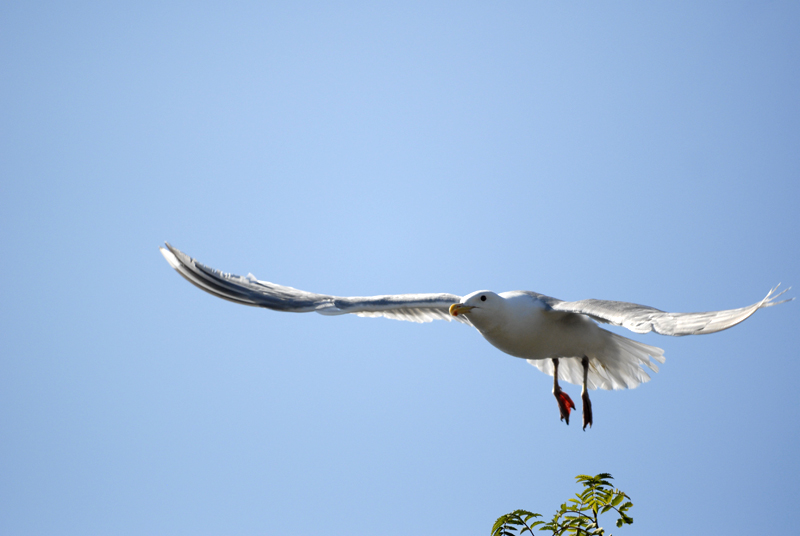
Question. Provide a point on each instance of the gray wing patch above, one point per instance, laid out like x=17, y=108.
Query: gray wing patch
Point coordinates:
x=549, y=301
x=250, y=291
x=643, y=319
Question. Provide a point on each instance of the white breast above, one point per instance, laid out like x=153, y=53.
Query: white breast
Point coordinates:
x=523, y=326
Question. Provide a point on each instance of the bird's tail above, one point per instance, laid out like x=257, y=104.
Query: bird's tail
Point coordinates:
x=619, y=365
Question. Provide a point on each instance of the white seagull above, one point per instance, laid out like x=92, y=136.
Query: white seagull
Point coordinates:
x=560, y=338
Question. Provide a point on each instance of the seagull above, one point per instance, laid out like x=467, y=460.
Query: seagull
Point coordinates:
x=560, y=338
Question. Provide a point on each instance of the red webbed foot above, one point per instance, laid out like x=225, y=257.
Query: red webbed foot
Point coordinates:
x=565, y=404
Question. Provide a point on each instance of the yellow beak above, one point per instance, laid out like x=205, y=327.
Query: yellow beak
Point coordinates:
x=460, y=308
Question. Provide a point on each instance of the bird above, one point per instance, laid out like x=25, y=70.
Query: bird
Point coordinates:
x=560, y=338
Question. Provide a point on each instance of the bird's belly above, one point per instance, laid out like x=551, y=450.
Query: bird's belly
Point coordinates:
x=543, y=340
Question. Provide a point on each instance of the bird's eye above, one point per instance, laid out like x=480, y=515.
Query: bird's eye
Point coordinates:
x=483, y=298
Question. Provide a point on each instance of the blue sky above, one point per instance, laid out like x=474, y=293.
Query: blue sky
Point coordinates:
x=629, y=151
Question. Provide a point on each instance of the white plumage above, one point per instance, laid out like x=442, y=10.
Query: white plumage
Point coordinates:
x=548, y=332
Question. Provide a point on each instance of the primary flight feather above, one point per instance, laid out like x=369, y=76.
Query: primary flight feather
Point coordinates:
x=560, y=338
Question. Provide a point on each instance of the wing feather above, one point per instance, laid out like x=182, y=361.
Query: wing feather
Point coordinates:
x=250, y=291
x=643, y=319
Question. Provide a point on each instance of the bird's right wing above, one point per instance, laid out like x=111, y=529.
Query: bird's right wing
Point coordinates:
x=643, y=319
x=250, y=291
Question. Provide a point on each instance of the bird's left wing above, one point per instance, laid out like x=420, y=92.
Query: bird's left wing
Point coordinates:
x=250, y=291
x=643, y=319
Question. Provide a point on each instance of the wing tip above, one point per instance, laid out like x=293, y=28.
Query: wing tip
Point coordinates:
x=169, y=255
x=769, y=299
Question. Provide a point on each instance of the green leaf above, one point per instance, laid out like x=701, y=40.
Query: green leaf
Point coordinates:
x=578, y=516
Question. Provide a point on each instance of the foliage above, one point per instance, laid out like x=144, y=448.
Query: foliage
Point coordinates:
x=578, y=516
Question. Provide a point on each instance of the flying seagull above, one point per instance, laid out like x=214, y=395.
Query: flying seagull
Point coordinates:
x=560, y=338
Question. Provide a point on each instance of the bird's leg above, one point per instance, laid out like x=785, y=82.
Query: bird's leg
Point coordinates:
x=565, y=403
x=587, y=404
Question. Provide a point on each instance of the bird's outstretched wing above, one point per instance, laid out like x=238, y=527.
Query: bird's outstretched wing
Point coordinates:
x=250, y=291
x=643, y=319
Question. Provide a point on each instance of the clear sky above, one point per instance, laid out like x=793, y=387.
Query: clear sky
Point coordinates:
x=641, y=151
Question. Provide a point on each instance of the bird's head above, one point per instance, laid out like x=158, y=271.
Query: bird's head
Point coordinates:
x=477, y=304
